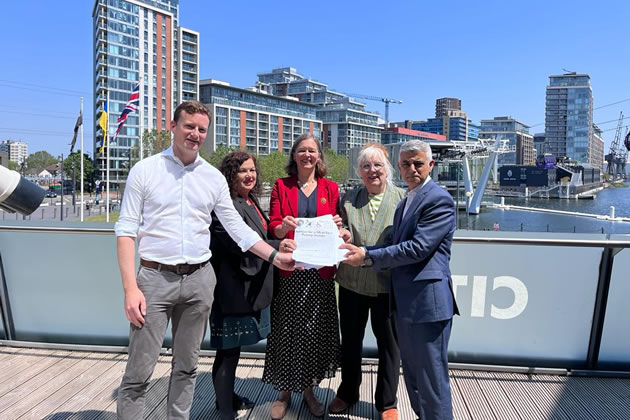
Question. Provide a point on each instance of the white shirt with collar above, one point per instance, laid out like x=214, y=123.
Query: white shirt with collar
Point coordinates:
x=167, y=206
x=411, y=194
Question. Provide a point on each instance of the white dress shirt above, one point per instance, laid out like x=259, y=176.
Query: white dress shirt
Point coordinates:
x=411, y=194
x=167, y=206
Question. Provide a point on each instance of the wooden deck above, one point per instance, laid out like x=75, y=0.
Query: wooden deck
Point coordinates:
x=60, y=384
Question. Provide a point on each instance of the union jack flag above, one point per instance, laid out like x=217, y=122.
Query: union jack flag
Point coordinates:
x=132, y=105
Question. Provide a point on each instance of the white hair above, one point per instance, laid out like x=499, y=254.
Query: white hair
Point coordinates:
x=376, y=151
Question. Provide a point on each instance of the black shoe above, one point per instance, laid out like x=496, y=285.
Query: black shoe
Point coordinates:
x=242, y=403
x=239, y=403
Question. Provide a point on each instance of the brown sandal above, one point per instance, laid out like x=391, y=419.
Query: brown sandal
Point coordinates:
x=279, y=407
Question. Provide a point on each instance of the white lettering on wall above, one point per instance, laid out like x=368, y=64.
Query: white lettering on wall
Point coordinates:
x=478, y=295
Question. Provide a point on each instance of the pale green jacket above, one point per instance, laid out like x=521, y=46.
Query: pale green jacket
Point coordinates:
x=355, y=212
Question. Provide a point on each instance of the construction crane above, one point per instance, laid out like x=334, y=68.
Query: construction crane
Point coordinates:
x=616, y=157
x=376, y=98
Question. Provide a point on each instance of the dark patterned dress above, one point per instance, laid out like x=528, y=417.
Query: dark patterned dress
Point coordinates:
x=303, y=347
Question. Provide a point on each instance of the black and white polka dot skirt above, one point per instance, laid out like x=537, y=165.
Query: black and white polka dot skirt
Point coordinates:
x=303, y=347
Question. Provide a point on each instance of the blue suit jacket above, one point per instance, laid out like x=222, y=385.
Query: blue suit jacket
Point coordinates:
x=419, y=256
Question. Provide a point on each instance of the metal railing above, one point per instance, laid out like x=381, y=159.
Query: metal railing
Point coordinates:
x=79, y=301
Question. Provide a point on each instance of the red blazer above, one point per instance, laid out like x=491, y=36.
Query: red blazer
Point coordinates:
x=284, y=202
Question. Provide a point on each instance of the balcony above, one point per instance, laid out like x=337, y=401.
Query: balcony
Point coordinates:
x=528, y=342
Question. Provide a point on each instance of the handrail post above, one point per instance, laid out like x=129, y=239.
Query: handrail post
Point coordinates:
x=601, y=302
x=5, y=306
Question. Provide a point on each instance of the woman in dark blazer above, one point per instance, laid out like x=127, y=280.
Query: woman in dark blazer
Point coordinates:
x=303, y=347
x=240, y=312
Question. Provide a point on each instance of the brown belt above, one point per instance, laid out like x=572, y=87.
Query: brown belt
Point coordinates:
x=178, y=269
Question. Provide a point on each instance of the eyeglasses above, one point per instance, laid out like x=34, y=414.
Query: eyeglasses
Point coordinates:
x=377, y=166
x=417, y=164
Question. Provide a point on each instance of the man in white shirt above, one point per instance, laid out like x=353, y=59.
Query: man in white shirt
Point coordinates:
x=167, y=208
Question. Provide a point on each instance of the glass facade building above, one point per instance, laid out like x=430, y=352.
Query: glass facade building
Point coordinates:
x=519, y=142
x=346, y=123
x=254, y=120
x=139, y=41
x=569, y=117
x=454, y=125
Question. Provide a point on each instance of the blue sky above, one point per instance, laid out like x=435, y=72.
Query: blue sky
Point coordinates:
x=496, y=56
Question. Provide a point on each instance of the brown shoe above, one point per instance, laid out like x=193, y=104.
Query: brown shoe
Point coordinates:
x=279, y=407
x=337, y=405
x=314, y=405
x=389, y=414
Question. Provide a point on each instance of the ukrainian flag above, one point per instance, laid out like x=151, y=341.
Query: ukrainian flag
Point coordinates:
x=102, y=122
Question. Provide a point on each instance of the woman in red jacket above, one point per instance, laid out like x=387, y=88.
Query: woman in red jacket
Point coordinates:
x=303, y=347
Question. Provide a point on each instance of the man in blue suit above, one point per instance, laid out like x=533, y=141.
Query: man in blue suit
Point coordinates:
x=424, y=303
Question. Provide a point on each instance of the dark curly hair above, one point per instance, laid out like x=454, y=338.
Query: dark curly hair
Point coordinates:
x=230, y=166
x=320, y=167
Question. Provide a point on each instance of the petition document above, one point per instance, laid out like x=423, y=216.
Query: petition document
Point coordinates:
x=317, y=242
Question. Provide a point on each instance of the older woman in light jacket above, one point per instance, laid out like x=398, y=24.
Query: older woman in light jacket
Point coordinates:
x=368, y=211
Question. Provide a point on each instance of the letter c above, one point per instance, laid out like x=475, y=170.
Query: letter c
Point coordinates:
x=520, y=298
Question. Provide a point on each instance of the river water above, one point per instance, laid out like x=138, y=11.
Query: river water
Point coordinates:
x=529, y=221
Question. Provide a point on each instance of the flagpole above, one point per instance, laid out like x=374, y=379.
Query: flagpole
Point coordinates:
x=81, y=211
x=107, y=160
x=141, y=114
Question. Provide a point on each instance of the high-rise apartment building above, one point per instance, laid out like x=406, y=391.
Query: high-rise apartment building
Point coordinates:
x=569, y=117
x=519, y=141
x=140, y=41
x=346, y=123
x=539, y=143
x=596, y=149
x=443, y=105
x=454, y=124
x=17, y=151
x=255, y=120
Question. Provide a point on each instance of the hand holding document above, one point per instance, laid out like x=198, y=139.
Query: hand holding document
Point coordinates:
x=318, y=242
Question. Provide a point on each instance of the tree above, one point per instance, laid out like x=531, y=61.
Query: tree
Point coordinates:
x=272, y=166
x=337, y=166
x=14, y=166
x=40, y=160
x=73, y=162
x=154, y=142
x=215, y=158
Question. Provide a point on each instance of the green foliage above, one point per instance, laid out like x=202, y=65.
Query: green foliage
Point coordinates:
x=153, y=142
x=272, y=166
x=40, y=160
x=215, y=158
x=73, y=162
x=14, y=166
x=337, y=166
